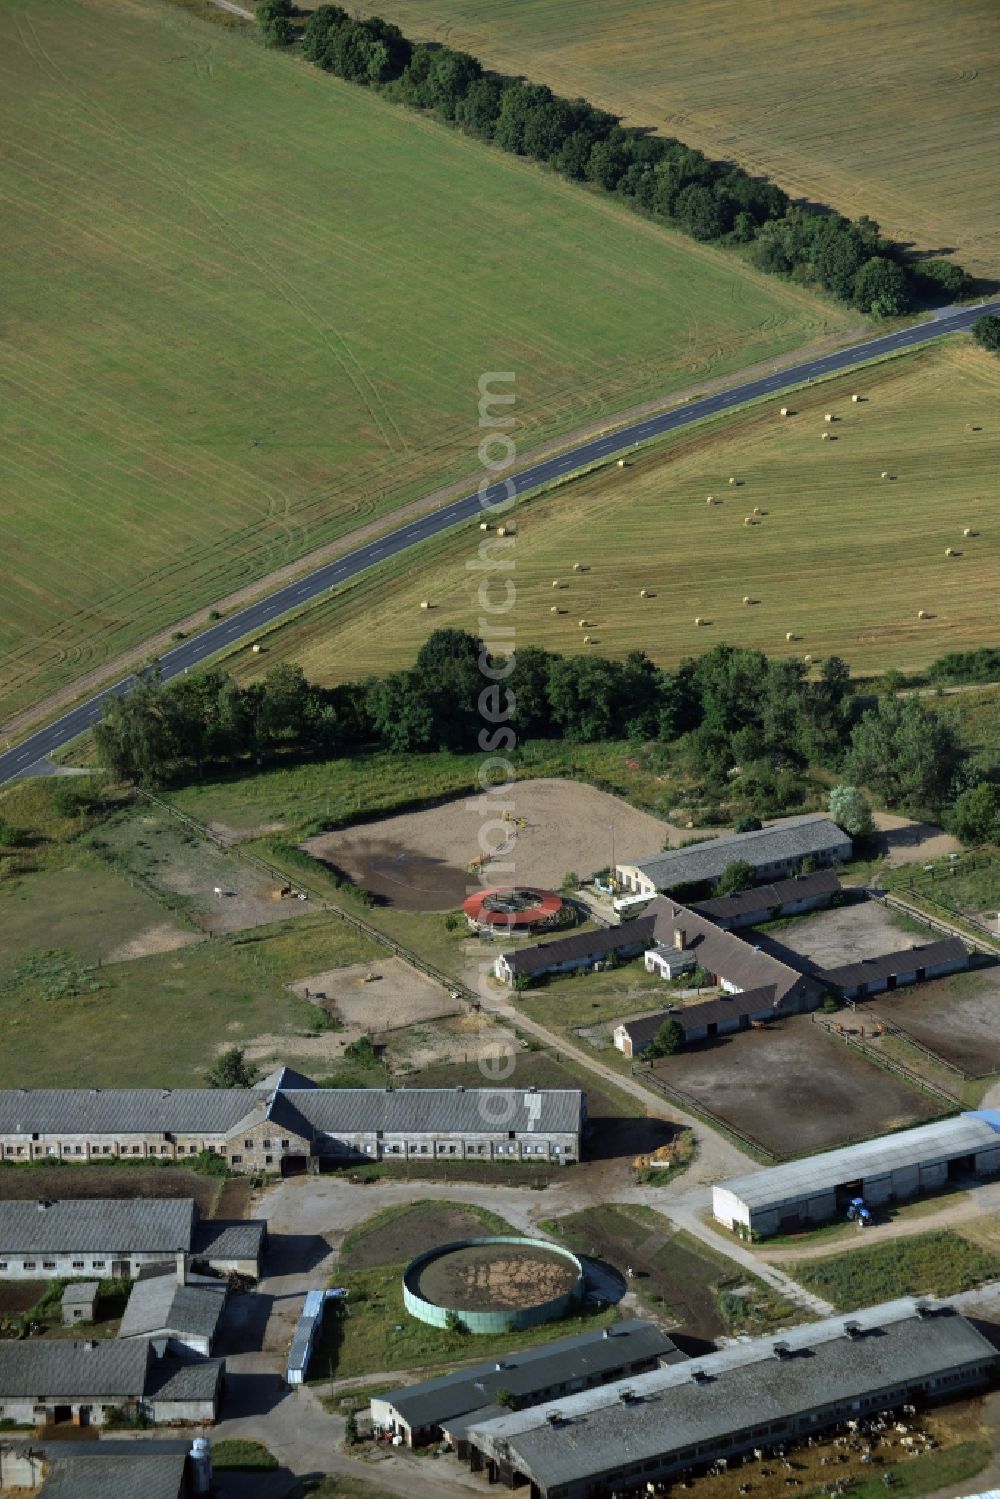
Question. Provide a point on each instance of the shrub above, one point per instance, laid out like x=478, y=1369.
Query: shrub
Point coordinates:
x=986, y=332
x=747, y=824
x=739, y=875
x=668, y=1040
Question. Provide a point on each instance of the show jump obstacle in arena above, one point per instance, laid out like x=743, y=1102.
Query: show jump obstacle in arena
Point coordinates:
x=503, y=911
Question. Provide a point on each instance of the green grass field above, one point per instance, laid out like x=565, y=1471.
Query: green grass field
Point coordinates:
x=880, y=111
x=817, y=565
x=940, y=1264
x=236, y=329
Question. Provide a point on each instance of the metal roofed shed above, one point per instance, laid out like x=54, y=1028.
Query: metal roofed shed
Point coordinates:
x=307, y=1330
x=79, y=1302
x=122, y=1475
x=423, y=1412
x=782, y=1199
x=653, y=1426
x=177, y=1316
x=777, y=850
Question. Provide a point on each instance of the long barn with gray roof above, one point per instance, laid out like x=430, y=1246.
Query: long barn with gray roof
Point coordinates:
x=774, y=852
x=797, y=1194
x=770, y=1390
x=287, y=1116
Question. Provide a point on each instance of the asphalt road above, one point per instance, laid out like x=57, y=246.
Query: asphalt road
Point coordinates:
x=256, y=617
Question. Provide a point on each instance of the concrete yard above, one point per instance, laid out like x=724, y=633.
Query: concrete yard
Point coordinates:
x=794, y=1088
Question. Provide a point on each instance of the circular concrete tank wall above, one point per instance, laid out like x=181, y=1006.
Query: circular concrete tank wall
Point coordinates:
x=493, y=1284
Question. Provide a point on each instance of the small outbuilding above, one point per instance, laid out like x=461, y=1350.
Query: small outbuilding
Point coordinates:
x=79, y=1302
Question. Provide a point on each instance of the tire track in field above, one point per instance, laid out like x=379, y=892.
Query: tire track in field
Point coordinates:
x=346, y=359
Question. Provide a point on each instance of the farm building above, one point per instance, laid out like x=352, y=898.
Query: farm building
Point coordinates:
x=111, y=1470
x=118, y=1238
x=287, y=1118
x=177, y=1316
x=674, y=938
x=911, y=966
x=699, y=1022
x=79, y=1302
x=48, y=1383
x=634, y=1433
x=774, y=852
x=425, y=1412
x=791, y=897
x=786, y=1198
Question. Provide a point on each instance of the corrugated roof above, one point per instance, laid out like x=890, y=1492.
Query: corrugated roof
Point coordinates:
x=161, y=1305
x=587, y=1354
x=789, y=1182
x=97, y=1225
x=80, y=1292
x=541, y=955
x=235, y=1239
x=905, y=960
x=79, y=1370
x=764, y=898
x=183, y=1379
x=755, y=1002
x=117, y=1111
x=792, y=838
x=446, y=1110
x=746, y=1385
x=122, y=1476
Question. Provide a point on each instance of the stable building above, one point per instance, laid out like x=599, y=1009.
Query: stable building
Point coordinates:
x=799, y=1194
x=84, y=1383
x=178, y=1316
x=118, y=1238
x=912, y=965
x=286, y=1118
x=699, y=1022
x=657, y=1426
x=444, y=1407
x=110, y=1469
x=773, y=902
x=774, y=852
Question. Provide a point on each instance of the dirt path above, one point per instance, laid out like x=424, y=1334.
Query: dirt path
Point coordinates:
x=124, y=662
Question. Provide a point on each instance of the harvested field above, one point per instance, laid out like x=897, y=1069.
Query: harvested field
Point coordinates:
x=489, y=1277
x=795, y=1088
x=391, y=1237
x=912, y=137
x=846, y=935
x=86, y=909
x=419, y=860
x=190, y=317
x=957, y=1018
x=814, y=564
x=386, y=995
x=28, y=1183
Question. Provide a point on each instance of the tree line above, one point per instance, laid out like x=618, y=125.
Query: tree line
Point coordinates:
x=658, y=175
x=731, y=712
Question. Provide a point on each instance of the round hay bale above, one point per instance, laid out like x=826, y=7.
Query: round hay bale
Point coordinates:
x=733, y=479
x=622, y=463
x=644, y=593
x=826, y=437
x=584, y=623
x=256, y=650
x=757, y=510
x=922, y=614
x=748, y=520
x=968, y=531
x=587, y=640
x=698, y=620
x=554, y=609
x=710, y=499
x=556, y=583
x=855, y=399
x=807, y=659
x=950, y=552
x=785, y=411
x=425, y=603
x=747, y=599
x=790, y=635
x=576, y=567
x=484, y=525
x=501, y=530
x=886, y=474
x=828, y=417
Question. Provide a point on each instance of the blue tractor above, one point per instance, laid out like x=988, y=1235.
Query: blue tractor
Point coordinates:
x=858, y=1212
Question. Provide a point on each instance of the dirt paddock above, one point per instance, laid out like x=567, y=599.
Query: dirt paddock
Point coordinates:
x=864, y=929
x=795, y=1088
x=957, y=1018
x=419, y=860
x=376, y=997
x=488, y=1277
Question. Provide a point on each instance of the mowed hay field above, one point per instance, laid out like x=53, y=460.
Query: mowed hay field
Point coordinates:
x=246, y=307
x=841, y=559
x=891, y=110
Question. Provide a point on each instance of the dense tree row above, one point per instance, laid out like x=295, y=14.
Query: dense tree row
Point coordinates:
x=710, y=200
x=730, y=712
